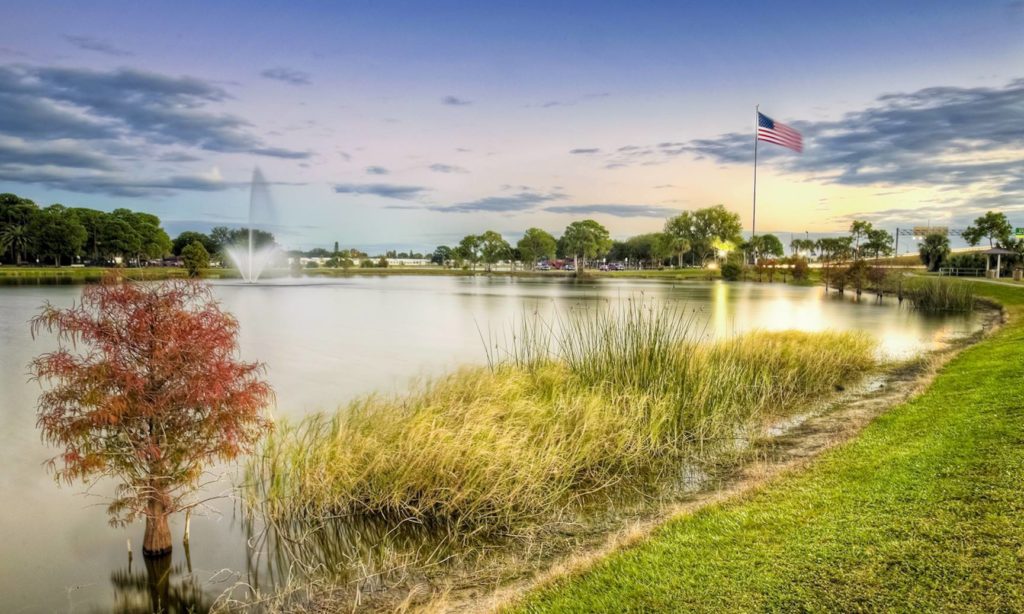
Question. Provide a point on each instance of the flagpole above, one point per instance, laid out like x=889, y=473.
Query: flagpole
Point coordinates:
x=753, y=217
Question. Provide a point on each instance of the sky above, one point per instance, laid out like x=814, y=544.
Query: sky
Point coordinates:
x=403, y=125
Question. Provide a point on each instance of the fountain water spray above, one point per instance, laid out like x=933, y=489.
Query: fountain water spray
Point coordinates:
x=249, y=259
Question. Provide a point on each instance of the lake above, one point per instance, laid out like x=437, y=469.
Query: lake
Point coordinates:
x=326, y=341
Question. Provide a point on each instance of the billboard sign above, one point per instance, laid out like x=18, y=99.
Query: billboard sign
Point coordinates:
x=924, y=231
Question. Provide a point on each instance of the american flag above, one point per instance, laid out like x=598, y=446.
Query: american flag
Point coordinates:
x=779, y=133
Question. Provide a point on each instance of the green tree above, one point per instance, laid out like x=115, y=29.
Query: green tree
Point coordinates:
x=221, y=237
x=765, y=245
x=704, y=228
x=16, y=239
x=878, y=242
x=153, y=240
x=91, y=220
x=493, y=248
x=992, y=226
x=834, y=248
x=535, y=245
x=934, y=251
x=587, y=239
x=803, y=247
x=16, y=210
x=57, y=234
x=664, y=247
x=117, y=238
x=224, y=237
x=642, y=249
x=469, y=249
x=442, y=255
x=189, y=237
x=195, y=258
x=859, y=230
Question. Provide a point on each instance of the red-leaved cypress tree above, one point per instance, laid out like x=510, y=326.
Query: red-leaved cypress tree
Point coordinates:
x=146, y=388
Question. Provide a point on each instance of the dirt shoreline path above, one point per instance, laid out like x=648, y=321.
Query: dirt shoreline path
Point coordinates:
x=800, y=441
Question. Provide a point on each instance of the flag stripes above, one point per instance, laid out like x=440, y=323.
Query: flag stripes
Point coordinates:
x=776, y=132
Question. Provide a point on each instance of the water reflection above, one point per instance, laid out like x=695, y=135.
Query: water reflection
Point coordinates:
x=157, y=585
x=326, y=341
x=362, y=555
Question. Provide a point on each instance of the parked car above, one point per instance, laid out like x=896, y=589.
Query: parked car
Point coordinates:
x=617, y=266
x=543, y=266
x=604, y=267
x=569, y=267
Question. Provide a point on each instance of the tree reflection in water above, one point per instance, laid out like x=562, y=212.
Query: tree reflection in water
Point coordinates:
x=159, y=586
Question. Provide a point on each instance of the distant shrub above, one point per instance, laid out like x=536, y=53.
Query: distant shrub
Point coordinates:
x=966, y=261
x=312, y=264
x=732, y=270
x=366, y=264
x=383, y=262
x=879, y=279
x=801, y=271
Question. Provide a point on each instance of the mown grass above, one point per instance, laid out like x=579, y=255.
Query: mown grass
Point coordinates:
x=564, y=410
x=939, y=294
x=921, y=513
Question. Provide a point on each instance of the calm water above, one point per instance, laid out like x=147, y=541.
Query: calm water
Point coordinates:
x=325, y=342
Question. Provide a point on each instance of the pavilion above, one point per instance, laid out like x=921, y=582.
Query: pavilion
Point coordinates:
x=998, y=252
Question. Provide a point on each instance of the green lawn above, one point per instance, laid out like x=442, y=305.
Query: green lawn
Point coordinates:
x=923, y=511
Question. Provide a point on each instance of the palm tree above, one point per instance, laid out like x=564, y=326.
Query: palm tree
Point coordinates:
x=14, y=238
x=934, y=249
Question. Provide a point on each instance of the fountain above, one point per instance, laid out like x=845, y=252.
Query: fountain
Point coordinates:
x=250, y=259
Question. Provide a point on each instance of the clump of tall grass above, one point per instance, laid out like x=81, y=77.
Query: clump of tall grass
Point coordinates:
x=939, y=294
x=564, y=410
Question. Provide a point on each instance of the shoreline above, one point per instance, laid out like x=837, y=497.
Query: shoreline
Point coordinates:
x=15, y=275
x=497, y=581
x=904, y=491
x=786, y=447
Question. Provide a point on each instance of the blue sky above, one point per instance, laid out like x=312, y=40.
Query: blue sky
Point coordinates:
x=386, y=124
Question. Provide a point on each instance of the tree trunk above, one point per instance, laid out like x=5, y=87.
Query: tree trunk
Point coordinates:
x=157, y=541
x=576, y=265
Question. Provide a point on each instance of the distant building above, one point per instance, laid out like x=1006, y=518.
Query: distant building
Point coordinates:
x=408, y=261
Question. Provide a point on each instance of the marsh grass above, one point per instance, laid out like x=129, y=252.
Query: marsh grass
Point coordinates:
x=564, y=410
x=940, y=294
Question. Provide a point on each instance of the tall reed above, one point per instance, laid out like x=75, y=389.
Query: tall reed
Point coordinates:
x=940, y=294
x=565, y=409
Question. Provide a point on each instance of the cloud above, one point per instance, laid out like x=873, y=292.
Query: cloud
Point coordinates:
x=522, y=201
x=384, y=190
x=614, y=210
x=177, y=156
x=115, y=185
x=940, y=137
x=18, y=153
x=585, y=150
x=123, y=105
x=90, y=43
x=290, y=76
x=952, y=214
x=572, y=101
x=455, y=101
x=376, y=170
x=447, y=168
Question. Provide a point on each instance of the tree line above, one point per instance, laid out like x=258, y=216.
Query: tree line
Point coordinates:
x=61, y=235
x=692, y=238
